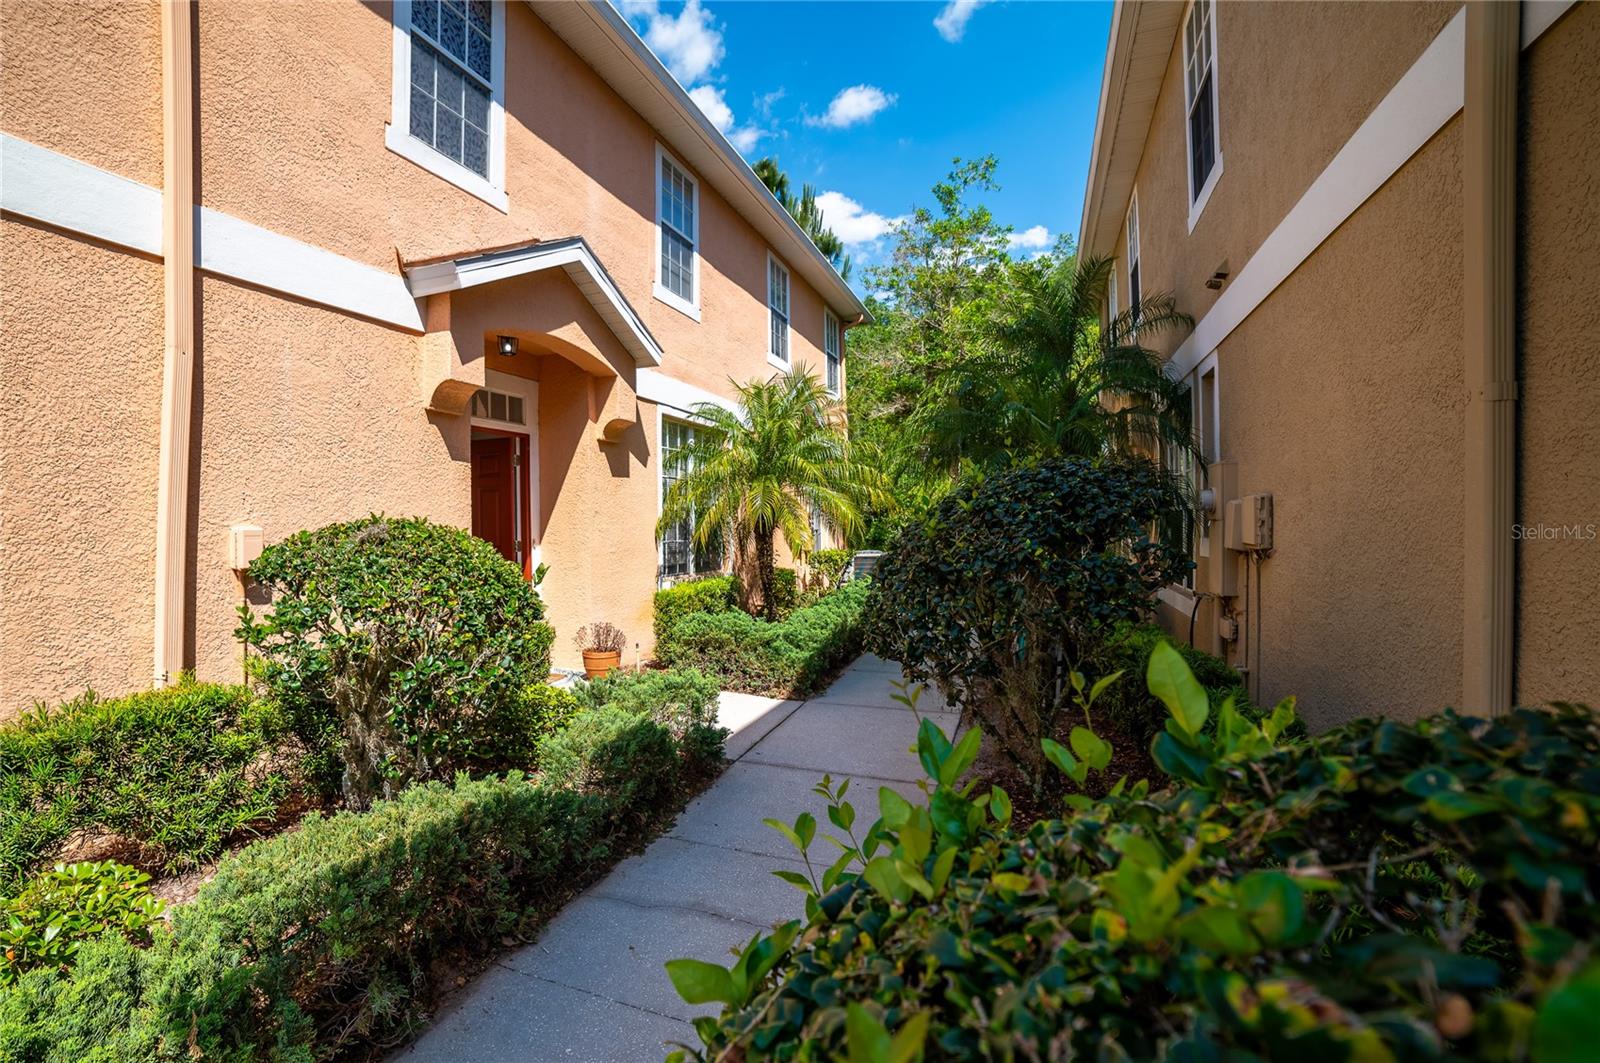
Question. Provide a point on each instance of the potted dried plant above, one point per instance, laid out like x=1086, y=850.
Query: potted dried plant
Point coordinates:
x=601, y=645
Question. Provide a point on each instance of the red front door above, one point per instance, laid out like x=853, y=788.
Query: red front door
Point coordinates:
x=494, y=494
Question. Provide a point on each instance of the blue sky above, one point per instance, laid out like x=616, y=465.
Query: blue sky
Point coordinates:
x=870, y=101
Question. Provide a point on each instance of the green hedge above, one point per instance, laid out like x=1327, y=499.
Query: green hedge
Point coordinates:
x=176, y=771
x=678, y=699
x=791, y=658
x=1385, y=891
x=717, y=594
x=1128, y=648
x=325, y=939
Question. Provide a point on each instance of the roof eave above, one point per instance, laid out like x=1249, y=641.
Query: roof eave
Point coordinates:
x=737, y=180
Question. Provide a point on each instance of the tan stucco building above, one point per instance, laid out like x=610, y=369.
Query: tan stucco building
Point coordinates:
x=1385, y=220
x=260, y=262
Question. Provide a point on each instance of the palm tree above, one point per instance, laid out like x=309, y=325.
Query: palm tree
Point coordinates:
x=745, y=478
x=1060, y=385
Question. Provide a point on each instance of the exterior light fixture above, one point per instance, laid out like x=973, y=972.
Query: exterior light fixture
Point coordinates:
x=508, y=346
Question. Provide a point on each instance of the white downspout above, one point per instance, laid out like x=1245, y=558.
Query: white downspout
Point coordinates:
x=177, y=381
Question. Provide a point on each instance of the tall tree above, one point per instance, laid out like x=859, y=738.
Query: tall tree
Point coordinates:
x=746, y=478
x=804, y=210
x=1058, y=385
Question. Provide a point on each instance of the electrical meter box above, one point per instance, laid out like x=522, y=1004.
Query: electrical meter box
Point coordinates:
x=244, y=546
x=1256, y=523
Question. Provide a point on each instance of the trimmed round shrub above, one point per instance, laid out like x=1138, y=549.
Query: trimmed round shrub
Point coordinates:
x=1011, y=581
x=677, y=699
x=398, y=647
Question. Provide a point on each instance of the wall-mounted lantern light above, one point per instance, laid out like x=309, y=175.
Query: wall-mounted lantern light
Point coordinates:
x=508, y=346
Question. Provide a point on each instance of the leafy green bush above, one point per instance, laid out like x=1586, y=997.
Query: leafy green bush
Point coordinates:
x=1014, y=579
x=1384, y=891
x=326, y=939
x=791, y=658
x=1126, y=650
x=677, y=699
x=826, y=567
x=716, y=594
x=539, y=710
x=397, y=646
x=176, y=771
x=58, y=910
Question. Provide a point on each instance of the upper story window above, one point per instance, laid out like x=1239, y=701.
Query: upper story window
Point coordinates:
x=832, y=348
x=1200, y=96
x=678, y=233
x=777, y=313
x=1133, y=256
x=1111, y=296
x=449, y=92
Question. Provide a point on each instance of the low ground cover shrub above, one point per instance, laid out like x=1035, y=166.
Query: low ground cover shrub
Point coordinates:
x=329, y=938
x=1013, y=581
x=1383, y=891
x=56, y=911
x=397, y=647
x=790, y=658
x=677, y=699
x=1129, y=704
x=174, y=773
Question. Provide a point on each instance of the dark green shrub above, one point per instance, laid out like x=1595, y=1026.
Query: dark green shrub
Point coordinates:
x=1127, y=648
x=540, y=710
x=677, y=699
x=716, y=594
x=397, y=646
x=58, y=910
x=177, y=772
x=325, y=939
x=1384, y=891
x=1012, y=581
x=791, y=658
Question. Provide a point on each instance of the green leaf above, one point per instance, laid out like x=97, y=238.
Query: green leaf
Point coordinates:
x=1218, y=929
x=698, y=982
x=908, y=1041
x=1010, y=880
x=1274, y=904
x=896, y=810
x=932, y=747
x=1101, y=684
x=960, y=758
x=1567, y=1028
x=1171, y=681
x=867, y=1038
x=787, y=831
x=1057, y=754
x=943, y=864
x=881, y=875
x=797, y=880
x=805, y=825
x=1000, y=806
x=1093, y=749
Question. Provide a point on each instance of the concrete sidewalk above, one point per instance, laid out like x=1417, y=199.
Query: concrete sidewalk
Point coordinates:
x=592, y=988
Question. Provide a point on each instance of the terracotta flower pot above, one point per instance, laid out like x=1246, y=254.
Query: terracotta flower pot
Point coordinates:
x=597, y=664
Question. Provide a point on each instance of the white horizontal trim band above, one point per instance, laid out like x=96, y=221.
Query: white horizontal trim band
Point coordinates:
x=73, y=195
x=679, y=395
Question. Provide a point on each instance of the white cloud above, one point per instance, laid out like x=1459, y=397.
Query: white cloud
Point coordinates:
x=711, y=100
x=1031, y=238
x=850, y=221
x=952, y=21
x=690, y=45
x=854, y=105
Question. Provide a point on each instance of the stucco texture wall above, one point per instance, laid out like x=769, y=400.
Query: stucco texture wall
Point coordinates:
x=1285, y=113
x=305, y=417
x=80, y=397
x=1558, y=569
x=84, y=79
x=1342, y=395
x=294, y=99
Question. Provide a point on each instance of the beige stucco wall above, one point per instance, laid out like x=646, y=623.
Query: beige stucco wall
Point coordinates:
x=80, y=393
x=294, y=99
x=306, y=415
x=1558, y=610
x=1286, y=110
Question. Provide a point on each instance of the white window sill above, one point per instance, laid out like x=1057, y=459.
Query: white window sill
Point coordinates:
x=1204, y=197
x=409, y=147
x=778, y=363
x=677, y=302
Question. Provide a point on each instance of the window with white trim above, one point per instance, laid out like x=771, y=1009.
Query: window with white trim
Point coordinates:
x=777, y=311
x=678, y=235
x=679, y=555
x=832, y=348
x=1200, y=94
x=1133, y=254
x=449, y=92
x=498, y=406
